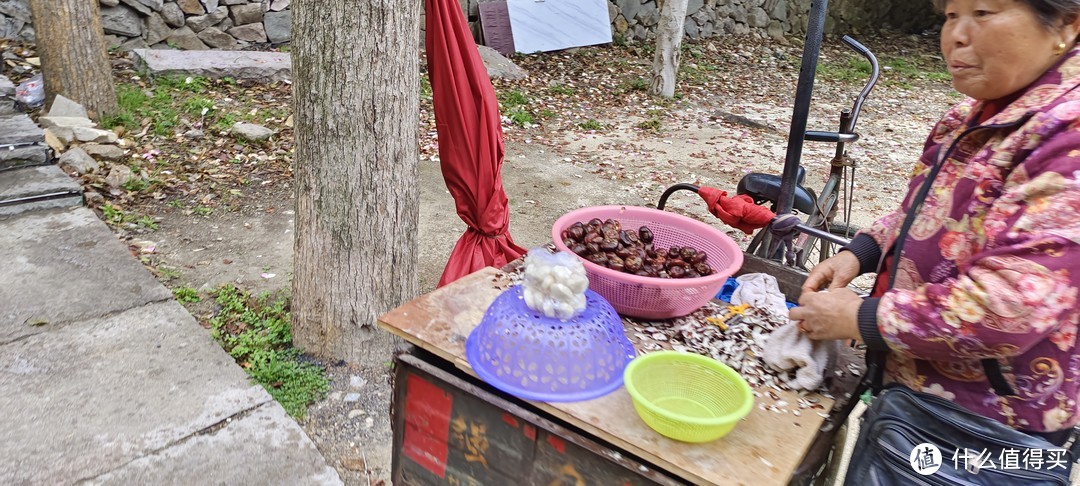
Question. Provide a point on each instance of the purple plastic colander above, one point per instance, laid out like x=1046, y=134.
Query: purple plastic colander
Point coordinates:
x=526, y=354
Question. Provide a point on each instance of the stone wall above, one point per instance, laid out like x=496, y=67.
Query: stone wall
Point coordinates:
x=183, y=24
x=235, y=24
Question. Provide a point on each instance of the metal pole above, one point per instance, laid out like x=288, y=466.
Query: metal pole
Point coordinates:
x=803, y=93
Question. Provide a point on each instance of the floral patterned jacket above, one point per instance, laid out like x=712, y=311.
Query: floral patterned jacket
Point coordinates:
x=991, y=265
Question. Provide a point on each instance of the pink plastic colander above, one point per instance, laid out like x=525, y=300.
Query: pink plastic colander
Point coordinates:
x=650, y=297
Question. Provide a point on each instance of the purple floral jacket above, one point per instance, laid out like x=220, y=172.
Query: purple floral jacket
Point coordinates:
x=991, y=265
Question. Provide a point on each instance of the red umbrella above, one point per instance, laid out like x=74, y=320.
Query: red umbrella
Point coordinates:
x=470, y=142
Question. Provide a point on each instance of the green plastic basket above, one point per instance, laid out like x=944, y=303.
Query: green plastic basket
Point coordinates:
x=687, y=396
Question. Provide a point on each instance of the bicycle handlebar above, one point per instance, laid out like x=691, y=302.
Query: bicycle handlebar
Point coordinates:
x=875, y=71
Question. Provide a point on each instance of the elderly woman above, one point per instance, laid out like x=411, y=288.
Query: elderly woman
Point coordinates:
x=977, y=300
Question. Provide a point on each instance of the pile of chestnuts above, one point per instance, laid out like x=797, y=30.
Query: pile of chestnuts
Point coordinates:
x=607, y=244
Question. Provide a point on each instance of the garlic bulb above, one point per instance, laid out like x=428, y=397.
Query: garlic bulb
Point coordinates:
x=554, y=283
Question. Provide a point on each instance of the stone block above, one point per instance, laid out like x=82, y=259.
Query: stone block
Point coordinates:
x=226, y=455
x=18, y=189
x=249, y=32
x=249, y=65
x=156, y=28
x=191, y=7
x=137, y=6
x=121, y=20
x=19, y=129
x=7, y=88
x=62, y=106
x=217, y=39
x=200, y=22
x=248, y=13
x=103, y=151
x=109, y=3
x=172, y=15
x=278, y=26
x=18, y=9
x=86, y=134
x=78, y=161
x=251, y=132
x=279, y=5
x=185, y=39
x=499, y=66
x=66, y=122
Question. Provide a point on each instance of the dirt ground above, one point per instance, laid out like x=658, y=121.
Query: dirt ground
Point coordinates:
x=555, y=166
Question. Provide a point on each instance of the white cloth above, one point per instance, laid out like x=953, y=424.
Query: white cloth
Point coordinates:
x=760, y=290
x=787, y=348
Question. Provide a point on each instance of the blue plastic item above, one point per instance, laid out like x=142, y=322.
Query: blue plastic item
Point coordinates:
x=528, y=355
x=729, y=288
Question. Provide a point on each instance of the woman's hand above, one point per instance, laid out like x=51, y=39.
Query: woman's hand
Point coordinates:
x=833, y=273
x=829, y=314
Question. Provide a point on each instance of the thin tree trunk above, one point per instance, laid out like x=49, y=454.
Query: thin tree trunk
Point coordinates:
x=356, y=92
x=669, y=34
x=74, y=61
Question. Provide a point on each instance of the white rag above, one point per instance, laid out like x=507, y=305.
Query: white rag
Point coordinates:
x=760, y=290
x=787, y=348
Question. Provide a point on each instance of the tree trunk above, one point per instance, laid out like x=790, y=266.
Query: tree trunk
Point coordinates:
x=669, y=33
x=356, y=92
x=74, y=61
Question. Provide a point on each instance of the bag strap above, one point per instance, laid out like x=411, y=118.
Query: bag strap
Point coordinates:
x=876, y=360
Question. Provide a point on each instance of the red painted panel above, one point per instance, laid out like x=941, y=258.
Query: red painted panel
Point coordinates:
x=510, y=420
x=427, y=425
x=557, y=444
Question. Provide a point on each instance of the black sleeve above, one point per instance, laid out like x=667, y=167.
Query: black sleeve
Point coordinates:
x=866, y=249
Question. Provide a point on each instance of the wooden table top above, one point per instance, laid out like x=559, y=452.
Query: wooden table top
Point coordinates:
x=764, y=448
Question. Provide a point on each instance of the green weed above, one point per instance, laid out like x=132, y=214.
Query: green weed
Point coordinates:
x=257, y=333
x=136, y=184
x=591, y=125
x=520, y=116
x=202, y=211
x=558, y=89
x=513, y=98
x=186, y=295
x=147, y=222
x=168, y=273
x=113, y=214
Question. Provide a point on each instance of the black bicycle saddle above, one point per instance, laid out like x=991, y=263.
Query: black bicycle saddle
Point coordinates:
x=766, y=188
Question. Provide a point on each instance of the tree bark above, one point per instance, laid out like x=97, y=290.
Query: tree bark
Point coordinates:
x=356, y=92
x=669, y=34
x=74, y=61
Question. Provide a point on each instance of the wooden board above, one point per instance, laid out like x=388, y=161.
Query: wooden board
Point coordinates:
x=764, y=448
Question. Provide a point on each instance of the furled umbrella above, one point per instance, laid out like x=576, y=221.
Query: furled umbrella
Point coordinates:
x=470, y=142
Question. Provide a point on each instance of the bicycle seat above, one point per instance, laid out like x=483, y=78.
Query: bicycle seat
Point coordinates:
x=766, y=187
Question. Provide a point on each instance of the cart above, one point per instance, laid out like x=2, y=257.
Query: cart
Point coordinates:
x=452, y=428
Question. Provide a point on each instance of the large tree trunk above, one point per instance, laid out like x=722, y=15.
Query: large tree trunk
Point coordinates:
x=74, y=61
x=669, y=33
x=356, y=92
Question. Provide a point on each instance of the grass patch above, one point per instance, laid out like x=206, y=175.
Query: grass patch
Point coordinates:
x=158, y=105
x=558, y=89
x=186, y=295
x=591, y=125
x=895, y=71
x=257, y=332
x=635, y=84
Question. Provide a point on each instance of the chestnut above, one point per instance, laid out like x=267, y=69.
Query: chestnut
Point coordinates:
x=629, y=237
x=633, y=263
x=598, y=258
x=703, y=268
x=677, y=272
x=609, y=244
x=699, y=257
x=687, y=253
x=646, y=234
x=580, y=249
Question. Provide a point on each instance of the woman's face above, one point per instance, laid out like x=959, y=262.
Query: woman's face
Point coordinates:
x=994, y=48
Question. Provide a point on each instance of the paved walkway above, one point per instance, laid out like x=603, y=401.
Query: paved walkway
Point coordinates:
x=104, y=377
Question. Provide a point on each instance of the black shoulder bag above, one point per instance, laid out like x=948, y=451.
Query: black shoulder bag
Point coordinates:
x=907, y=437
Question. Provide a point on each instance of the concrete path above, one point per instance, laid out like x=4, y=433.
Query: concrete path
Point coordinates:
x=105, y=379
